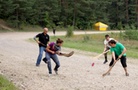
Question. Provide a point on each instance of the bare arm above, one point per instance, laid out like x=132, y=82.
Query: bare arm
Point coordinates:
x=36, y=40
x=113, y=56
x=124, y=51
x=104, y=47
x=48, y=50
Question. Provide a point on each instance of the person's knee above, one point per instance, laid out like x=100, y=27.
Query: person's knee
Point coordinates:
x=124, y=65
x=58, y=65
x=48, y=61
x=105, y=54
x=40, y=54
x=123, y=62
x=111, y=63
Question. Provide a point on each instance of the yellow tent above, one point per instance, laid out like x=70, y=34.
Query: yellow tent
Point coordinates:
x=100, y=26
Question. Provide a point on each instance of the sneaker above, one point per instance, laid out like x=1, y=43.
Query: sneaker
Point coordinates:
x=127, y=74
x=56, y=71
x=49, y=74
x=105, y=62
x=37, y=65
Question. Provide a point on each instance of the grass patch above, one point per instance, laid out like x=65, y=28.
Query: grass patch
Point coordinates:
x=6, y=85
x=94, y=43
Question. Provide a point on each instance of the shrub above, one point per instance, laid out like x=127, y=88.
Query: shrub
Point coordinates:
x=69, y=31
x=131, y=34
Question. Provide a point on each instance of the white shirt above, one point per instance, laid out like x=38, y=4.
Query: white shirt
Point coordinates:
x=106, y=42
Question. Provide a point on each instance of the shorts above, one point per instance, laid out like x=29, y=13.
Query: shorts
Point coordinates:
x=122, y=60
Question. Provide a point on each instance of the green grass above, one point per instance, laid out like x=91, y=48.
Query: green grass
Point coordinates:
x=5, y=84
x=94, y=43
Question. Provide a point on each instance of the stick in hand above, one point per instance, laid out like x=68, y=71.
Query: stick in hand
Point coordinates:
x=110, y=68
x=67, y=54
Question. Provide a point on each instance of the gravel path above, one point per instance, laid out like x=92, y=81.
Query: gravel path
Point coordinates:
x=17, y=63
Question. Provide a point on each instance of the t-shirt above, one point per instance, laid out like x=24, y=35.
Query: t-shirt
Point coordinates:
x=44, y=39
x=54, y=47
x=118, y=49
x=106, y=42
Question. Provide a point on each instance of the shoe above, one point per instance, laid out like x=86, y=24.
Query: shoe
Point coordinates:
x=37, y=65
x=49, y=74
x=56, y=71
x=127, y=74
x=45, y=60
x=105, y=62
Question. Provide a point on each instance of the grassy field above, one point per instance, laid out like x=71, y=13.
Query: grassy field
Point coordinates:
x=94, y=43
x=5, y=84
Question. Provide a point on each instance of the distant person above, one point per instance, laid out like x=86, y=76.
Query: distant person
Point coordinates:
x=43, y=39
x=118, y=52
x=53, y=49
x=106, y=47
x=54, y=31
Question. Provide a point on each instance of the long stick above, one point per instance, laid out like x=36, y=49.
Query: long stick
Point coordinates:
x=42, y=44
x=67, y=54
x=110, y=68
x=63, y=54
x=98, y=56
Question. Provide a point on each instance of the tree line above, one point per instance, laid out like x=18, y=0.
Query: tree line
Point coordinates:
x=82, y=14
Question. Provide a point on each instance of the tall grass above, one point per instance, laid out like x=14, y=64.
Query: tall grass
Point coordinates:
x=131, y=34
x=94, y=43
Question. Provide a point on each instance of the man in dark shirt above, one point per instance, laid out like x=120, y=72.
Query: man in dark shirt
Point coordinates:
x=43, y=39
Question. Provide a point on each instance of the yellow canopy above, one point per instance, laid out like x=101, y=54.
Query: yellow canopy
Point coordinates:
x=100, y=26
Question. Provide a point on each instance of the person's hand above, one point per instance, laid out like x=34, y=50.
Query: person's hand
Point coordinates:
x=120, y=56
x=38, y=42
x=53, y=52
x=115, y=61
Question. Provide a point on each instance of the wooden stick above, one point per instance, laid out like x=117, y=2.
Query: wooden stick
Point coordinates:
x=98, y=56
x=109, y=70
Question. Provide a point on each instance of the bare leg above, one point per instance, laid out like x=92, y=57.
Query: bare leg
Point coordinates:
x=126, y=71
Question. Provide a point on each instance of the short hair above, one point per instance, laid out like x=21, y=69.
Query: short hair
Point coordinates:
x=107, y=36
x=59, y=40
x=112, y=42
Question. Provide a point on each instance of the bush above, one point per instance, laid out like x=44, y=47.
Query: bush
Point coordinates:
x=119, y=26
x=131, y=34
x=69, y=31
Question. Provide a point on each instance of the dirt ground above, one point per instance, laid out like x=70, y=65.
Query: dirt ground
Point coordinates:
x=17, y=63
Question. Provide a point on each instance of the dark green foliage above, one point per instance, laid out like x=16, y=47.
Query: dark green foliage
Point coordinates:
x=82, y=14
x=69, y=31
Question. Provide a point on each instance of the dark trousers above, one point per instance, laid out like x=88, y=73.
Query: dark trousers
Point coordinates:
x=105, y=55
x=122, y=60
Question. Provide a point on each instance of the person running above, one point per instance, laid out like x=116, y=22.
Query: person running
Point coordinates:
x=118, y=52
x=43, y=39
x=53, y=49
x=106, y=47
